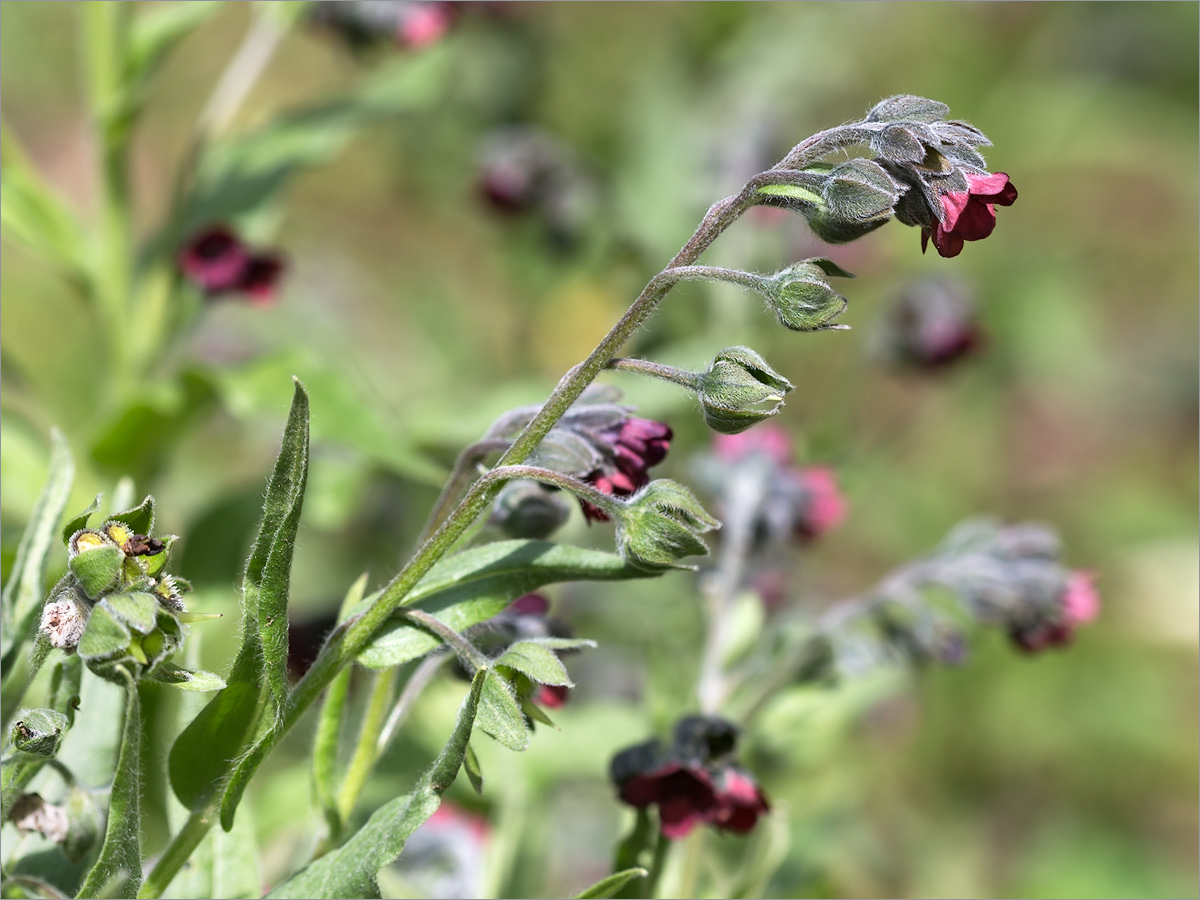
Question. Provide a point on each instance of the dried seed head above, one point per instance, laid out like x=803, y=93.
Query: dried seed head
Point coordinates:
x=63, y=621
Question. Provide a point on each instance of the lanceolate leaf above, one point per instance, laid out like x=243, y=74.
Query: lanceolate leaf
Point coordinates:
x=25, y=591
x=121, y=853
x=277, y=535
x=536, y=661
x=188, y=680
x=500, y=714
x=608, y=887
x=474, y=585
x=350, y=870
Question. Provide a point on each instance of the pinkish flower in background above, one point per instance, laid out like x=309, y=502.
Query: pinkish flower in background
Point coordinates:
x=823, y=506
x=1079, y=604
x=969, y=215
x=217, y=261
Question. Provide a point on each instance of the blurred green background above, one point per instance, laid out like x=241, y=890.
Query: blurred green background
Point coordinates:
x=415, y=313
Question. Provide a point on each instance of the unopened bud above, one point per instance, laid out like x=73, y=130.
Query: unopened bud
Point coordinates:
x=661, y=524
x=801, y=298
x=527, y=509
x=96, y=561
x=861, y=192
x=907, y=108
x=38, y=732
x=740, y=389
x=85, y=825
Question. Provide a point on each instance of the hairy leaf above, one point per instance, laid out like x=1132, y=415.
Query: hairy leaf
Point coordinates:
x=500, y=714
x=23, y=594
x=472, y=586
x=608, y=887
x=351, y=870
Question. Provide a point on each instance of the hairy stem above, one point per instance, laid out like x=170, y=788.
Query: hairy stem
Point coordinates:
x=365, y=751
x=681, y=377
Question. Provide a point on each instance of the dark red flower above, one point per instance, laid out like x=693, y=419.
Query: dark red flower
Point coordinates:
x=740, y=802
x=259, y=277
x=552, y=696
x=632, y=448
x=969, y=215
x=218, y=262
x=213, y=259
x=1079, y=604
x=684, y=795
x=824, y=507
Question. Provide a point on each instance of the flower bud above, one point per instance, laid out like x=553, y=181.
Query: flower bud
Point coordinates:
x=527, y=509
x=861, y=192
x=85, y=825
x=96, y=562
x=661, y=524
x=740, y=389
x=38, y=732
x=907, y=108
x=802, y=299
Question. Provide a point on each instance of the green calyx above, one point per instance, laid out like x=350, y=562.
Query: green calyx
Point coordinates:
x=661, y=524
x=740, y=389
x=801, y=298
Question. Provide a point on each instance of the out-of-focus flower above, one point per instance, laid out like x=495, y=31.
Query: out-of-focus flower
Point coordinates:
x=522, y=169
x=693, y=782
x=801, y=501
x=552, y=696
x=930, y=325
x=633, y=447
x=1079, y=603
x=444, y=858
x=969, y=215
x=411, y=24
x=218, y=262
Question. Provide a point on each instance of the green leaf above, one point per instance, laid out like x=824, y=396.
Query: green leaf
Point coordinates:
x=608, y=887
x=140, y=519
x=239, y=176
x=65, y=684
x=139, y=611
x=34, y=216
x=500, y=714
x=156, y=32
x=284, y=501
x=122, y=849
x=473, y=770
x=202, y=754
x=351, y=870
x=23, y=594
x=536, y=661
x=80, y=521
x=189, y=680
x=472, y=586
x=105, y=638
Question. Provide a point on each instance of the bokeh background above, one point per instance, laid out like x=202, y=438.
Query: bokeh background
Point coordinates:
x=416, y=312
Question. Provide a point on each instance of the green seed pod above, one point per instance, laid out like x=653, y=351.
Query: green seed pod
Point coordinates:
x=801, y=298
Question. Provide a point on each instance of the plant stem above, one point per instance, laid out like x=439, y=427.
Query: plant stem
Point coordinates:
x=416, y=683
x=366, y=750
x=662, y=847
x=681, y=377
x=743, y=500
x=459, y=480
x=180, y=849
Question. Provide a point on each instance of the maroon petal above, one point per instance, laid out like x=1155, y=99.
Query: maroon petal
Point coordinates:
x=214, y=259
x=530, y=605
x=259, y=277
x=977, y=221
x=953, y=204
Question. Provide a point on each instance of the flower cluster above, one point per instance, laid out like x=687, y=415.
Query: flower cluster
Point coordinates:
x=629, y=450
x=694, y=781
x=218, y=262
x=801, y=501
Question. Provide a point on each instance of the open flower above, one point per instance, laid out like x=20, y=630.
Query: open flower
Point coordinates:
x=969, y=215
x=632, y=448
x=693, y=782
x=1079, y=604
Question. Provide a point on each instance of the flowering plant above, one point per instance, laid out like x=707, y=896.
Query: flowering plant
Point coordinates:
x=118, y=620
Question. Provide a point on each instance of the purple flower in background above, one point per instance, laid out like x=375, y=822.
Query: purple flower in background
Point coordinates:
x=218, y=262
x=930, y=325
x=683, y=793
